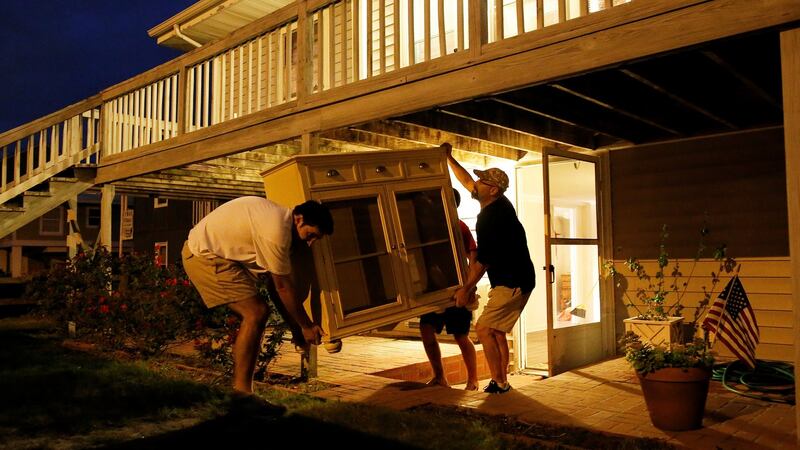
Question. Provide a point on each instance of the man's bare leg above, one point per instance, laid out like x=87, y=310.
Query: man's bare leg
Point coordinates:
x=428, y=334
x=502, y=346
x=490, y=350
x=470, y=360
x=254, y=313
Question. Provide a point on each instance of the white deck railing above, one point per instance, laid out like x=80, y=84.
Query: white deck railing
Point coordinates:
x=309, y=48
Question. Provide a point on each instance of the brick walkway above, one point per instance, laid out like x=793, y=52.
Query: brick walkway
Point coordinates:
x=604, y=397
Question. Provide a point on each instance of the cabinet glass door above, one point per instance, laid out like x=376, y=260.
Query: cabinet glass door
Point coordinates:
x=361, y=260
x=426, y=241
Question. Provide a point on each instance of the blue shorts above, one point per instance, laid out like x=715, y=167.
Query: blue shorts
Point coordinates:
x=457, y=319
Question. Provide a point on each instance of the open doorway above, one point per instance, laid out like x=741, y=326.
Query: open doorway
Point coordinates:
x=560, y=327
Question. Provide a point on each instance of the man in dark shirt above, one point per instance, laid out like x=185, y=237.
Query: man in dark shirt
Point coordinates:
x=503, y=253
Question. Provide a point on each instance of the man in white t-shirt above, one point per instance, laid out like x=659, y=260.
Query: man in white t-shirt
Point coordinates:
x=231, y=246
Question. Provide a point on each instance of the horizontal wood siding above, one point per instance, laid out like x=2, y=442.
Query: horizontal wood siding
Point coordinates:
x=767, y=282
x=735, y=182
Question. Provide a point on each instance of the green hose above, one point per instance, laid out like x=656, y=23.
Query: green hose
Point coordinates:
x=769, y=381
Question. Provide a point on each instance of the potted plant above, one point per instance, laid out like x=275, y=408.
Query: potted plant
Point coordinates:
x=674, y=380
x=658, y=318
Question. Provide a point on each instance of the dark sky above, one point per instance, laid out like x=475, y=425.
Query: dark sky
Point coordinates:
x=56, y=52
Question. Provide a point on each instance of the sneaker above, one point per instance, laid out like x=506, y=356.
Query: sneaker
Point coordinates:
x=494, y=388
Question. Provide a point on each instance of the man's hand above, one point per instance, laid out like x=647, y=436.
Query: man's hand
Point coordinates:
x=313, y=334
x=447, y=148
x=463, y=296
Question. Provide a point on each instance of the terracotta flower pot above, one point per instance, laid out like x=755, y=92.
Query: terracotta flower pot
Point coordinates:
x=675, y=397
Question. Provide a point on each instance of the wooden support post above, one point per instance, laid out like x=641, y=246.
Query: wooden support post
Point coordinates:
x=182, y=111
x=308, y=362
x=790, y=68
x=477, y=27
x=106, y=200
x=123, y=211
x=16, y=261
x=309, y=143
x=74, y=239
x=305, y=50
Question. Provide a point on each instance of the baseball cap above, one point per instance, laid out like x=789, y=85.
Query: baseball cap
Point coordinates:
x=493, y=176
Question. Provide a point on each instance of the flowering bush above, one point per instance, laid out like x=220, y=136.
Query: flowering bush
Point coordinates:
x=646, y=358
x=136, y=305
x=654, y=293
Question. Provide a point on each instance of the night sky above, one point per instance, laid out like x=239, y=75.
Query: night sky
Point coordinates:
x=58, y=52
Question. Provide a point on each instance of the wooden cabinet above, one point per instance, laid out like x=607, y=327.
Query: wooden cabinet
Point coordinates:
x=395, y=252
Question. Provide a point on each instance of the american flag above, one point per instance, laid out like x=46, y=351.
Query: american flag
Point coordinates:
x=732, y=321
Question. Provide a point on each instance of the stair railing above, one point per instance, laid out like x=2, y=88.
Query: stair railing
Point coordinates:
x=34, y=152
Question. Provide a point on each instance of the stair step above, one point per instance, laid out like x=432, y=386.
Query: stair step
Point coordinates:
x=63, y=179
x=7, y=208
x=36, y=193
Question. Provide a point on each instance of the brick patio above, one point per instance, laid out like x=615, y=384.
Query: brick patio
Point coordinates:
x=604, y=397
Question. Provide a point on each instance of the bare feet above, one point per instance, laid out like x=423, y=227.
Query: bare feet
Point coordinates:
x=440, y=381
x=471, y=387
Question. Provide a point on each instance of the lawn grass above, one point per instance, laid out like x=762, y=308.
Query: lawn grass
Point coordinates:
x=54, y=397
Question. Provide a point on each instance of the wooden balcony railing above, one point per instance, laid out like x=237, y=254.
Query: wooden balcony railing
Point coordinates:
x=36, y=151
x=307, y=51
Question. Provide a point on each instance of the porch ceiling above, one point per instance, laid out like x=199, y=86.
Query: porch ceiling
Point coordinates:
x=720, y=87
x=724, y=86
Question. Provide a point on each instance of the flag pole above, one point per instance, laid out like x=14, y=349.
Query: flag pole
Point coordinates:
x=725, y=304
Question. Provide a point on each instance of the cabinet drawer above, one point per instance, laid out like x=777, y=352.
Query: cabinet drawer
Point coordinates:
x=425, y=167
x=331, y=175
x=380, y=171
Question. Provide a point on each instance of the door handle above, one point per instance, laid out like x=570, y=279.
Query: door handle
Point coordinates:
x=552, y=273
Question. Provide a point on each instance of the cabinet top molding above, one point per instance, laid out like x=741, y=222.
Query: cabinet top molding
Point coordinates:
x=366, y=156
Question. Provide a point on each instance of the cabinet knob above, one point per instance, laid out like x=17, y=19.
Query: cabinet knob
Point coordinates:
x=423, y=165
x=380, y=169
x=332, y=173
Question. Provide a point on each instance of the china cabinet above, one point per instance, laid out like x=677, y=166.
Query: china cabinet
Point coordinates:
x=393, y=255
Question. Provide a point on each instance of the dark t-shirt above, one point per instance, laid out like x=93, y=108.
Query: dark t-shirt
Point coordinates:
x=502, y=246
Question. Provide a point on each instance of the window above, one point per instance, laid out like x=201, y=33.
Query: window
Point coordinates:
x=93, y=217
x=52, y=223
x=159, y=202
x=160, y=252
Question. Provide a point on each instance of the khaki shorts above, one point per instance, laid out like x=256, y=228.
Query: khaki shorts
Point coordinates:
x=503, y=308
x=219, y=281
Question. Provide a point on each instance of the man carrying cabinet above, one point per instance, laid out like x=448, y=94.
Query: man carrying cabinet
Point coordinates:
x=503, y=254
x=235, y=242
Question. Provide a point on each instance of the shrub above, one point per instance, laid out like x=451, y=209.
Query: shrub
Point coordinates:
x=136, y=305
x=666, y=281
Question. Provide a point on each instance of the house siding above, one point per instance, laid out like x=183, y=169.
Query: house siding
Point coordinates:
x=736, y=184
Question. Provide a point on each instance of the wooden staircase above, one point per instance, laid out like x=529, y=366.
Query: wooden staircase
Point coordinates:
x=47, y=162
x=35, y=202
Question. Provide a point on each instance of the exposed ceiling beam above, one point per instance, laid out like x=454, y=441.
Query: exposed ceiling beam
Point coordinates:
x=750, y=84
x=678, y=99
x=423, y=136
x=505, y=116
x=616, y=109
x=355, y=138
x=480, y=131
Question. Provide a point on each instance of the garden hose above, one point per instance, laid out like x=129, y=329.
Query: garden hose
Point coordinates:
x=769, y=381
